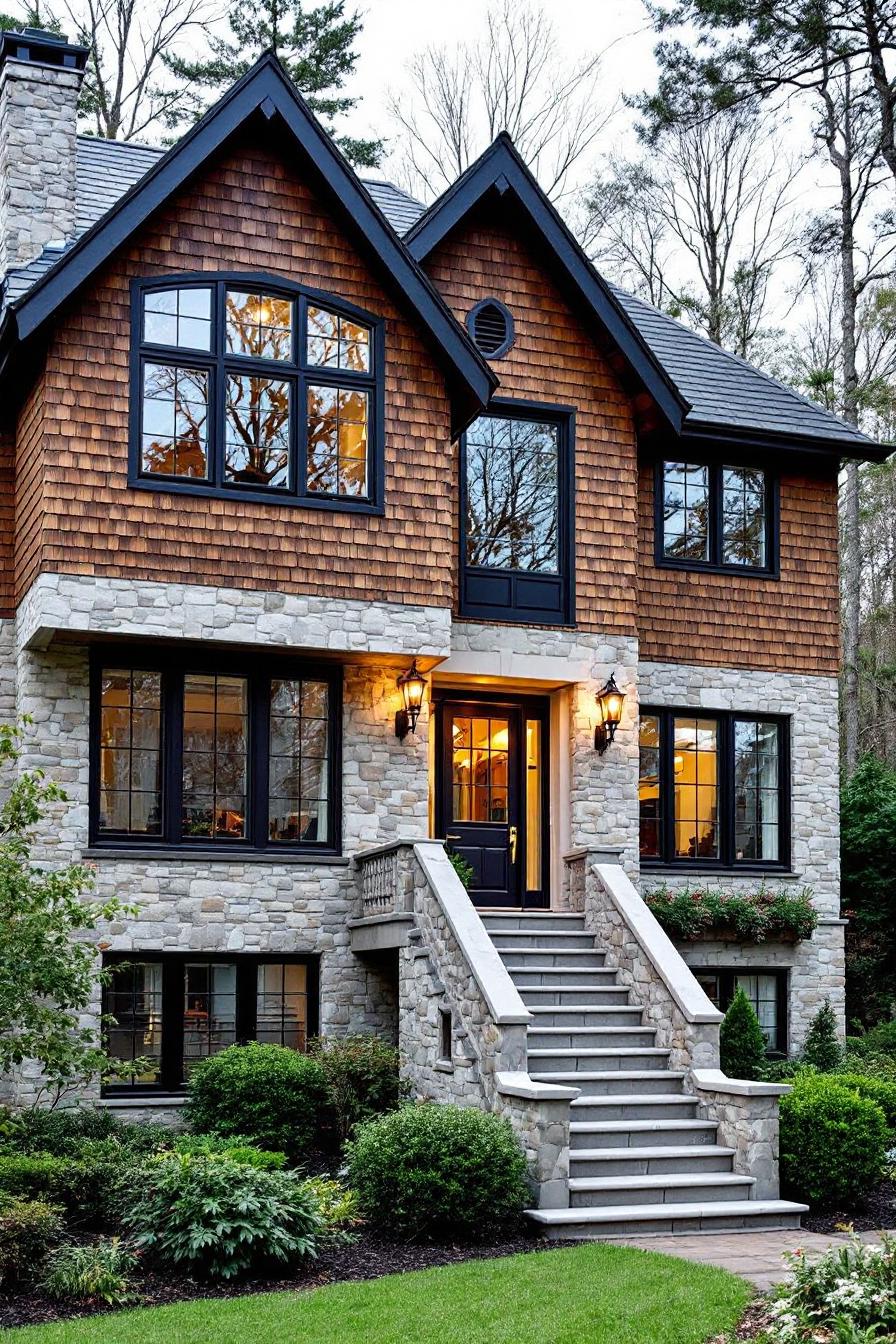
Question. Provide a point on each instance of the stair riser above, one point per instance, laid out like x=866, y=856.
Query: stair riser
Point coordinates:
x=539, y=996
x=609, y=1039
x=695, y=1194
x=574, y=1064
x=558, y=979
x=659, y=1110
x=660, y=1085
x=556, y=940
x=698, y=1165
x=569, y=960
x=534, y=923
x=622, y=1016
x=619, y=1139
x=658, y=1227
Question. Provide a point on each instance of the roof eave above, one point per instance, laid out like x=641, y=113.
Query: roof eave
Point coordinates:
x=776, y=441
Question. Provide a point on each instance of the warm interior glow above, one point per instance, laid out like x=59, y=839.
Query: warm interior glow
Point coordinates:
x=696, y=789
x=534, y=766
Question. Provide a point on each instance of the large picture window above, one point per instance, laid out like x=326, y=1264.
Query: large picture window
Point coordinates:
x=175, y=1009
x=516, y=515
x=242, y=755
x=713, y=789
x=716, y=517
x=256, y=388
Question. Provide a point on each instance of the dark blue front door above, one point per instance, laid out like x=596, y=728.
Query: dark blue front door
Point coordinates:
x=480, y=796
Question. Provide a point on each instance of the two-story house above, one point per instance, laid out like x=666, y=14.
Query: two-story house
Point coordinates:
x=326, y=523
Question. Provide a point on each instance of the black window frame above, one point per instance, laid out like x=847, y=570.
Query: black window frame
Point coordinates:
x=727, y=975
x=171, y=1081
x=298, y=371
x=714, y=563
x=260, y=670
x=500, y=595
x=726, y=862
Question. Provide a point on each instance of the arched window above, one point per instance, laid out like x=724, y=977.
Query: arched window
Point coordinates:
x=249, y=386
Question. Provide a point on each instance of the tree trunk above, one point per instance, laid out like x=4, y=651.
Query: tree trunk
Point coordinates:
x=851, y=559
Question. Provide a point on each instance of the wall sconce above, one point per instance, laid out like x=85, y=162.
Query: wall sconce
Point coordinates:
x=412, y=685
x=609, y=707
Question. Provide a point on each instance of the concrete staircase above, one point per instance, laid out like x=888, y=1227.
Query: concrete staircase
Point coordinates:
x=641, y=1160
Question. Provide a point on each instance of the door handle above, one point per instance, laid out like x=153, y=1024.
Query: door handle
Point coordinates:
x=453, y=837
x=513, y=836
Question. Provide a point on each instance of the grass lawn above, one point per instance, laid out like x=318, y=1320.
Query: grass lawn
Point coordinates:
x=588, y=1294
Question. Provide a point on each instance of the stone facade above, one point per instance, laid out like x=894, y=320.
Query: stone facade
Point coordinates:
x=37, y=159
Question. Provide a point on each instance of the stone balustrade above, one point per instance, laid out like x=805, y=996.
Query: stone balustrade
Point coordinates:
x=747, y=1116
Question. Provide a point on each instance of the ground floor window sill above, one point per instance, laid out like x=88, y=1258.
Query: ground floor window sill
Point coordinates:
x=160, y=1099
x=168, y=853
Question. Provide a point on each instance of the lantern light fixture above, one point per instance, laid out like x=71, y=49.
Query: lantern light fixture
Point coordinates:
x=412, y=685
x=610, y=701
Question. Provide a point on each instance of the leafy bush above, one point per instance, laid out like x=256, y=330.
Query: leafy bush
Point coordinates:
x=846, y=1296
x=338, y=1209
x=28, y=1228
x=64, y=1132
x=880, y=1040
x=463, y=869
x=822, y=1047
x=235, y=1149
x=752, y=918
x=273, y=1096
x=88, y=1187
x=438, y=1171
x=362, y=1076
x=875, y=1089
x=833, y=1142
x=741, y=1042
x=98, y=1272
x=219, y=1219
x=868, y=889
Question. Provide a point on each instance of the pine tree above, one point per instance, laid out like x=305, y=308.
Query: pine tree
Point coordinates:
x=314, y=46
x=822, y=1047
x=741, y=1040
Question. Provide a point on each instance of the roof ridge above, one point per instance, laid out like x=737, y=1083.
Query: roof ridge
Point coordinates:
x=121, y=144
x=744, y=363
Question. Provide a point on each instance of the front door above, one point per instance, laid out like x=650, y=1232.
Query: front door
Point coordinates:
x=491, y=796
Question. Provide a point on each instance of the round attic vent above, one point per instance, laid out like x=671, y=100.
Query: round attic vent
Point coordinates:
x=491, y=326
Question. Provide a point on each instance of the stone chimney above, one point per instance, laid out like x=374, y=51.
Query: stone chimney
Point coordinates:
x=40, y=78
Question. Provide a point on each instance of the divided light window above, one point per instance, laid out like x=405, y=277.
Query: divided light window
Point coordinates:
x=176, y=1009
x=713, y=789
x=766, y=991
x=516, y=474
x=256, y=390
x=238, y=757
x=717, y=516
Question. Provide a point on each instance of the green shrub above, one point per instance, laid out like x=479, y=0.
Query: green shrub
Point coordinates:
x=438, y=1171
x=88, y=1187
x=833, y=1142
x=846, y=1296
x=875, y=1089
x=463, y=869
x=64, y=1132
x=870, y=1063
x=268, y=1095
x=337, y=1206
x=741, y=1042
x=219, y=1219
x=753, y=917
x=235, y=1149
x=880, y=1040
x=822, y=1048
x=362, y=1076
x=28, y=1228
x=98, y=1272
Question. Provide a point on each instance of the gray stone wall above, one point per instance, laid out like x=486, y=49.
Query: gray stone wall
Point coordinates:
x=37, y=159
x=817, y=965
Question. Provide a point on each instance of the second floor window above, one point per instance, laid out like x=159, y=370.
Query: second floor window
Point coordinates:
x=214, y=757
x=715, y=516
x=259, y=390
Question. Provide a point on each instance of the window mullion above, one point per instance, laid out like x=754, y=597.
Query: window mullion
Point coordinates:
x=173, y=699
x=259, y=739
x=171, y=1075
x=667, y=786
x=726, y=788
x=715, y=515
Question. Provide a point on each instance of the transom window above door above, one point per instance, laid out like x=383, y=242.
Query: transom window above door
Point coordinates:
x=716, y=517
x=516, y=515
x=713, y=789
x=253, y=388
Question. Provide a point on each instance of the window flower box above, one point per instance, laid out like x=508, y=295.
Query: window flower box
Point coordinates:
x=693, y=913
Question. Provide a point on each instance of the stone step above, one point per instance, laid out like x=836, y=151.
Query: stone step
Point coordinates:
x=569, y=960
x=574, y=1038
x=584, y=1015
x=635, y=1220
x=669, y=1161
x=621, y=1134
x=574, y=1066
x=615, y=1081
x=533, y=921
x=606, y=1191
x=543, y=996
x=556, y=939
x=558, y=977
x=639, y=1106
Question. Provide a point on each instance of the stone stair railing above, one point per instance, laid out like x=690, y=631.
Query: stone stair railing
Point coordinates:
x=449, y=965
x=686, y=1021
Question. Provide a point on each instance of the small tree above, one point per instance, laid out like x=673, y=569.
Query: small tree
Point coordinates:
x=47, y=976
x=741, y=1040
x=822, y=1047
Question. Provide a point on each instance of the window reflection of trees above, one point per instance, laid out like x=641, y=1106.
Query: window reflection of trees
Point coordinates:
x=256, y=445
x=175, y=420
x=512, y=502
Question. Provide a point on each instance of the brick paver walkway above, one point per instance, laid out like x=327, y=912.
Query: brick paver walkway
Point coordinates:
x=757, y=1256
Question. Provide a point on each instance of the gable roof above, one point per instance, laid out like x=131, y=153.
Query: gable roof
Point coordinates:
x=502, y=170
x=264, y=90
